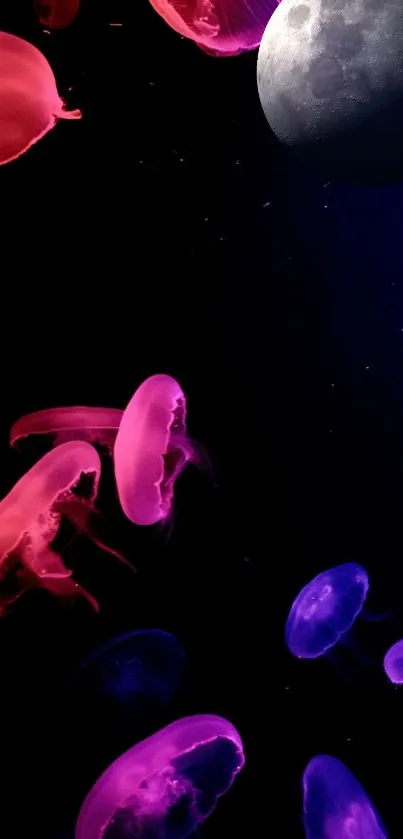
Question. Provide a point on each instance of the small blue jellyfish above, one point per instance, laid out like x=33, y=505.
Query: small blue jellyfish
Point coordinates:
x=393, y=663
x=325, y=610
x=335, y=804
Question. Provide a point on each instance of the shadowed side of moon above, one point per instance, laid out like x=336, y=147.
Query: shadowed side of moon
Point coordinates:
x=330, y=80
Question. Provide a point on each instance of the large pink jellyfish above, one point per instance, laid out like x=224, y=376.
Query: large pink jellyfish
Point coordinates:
x=220, y=27
x=151, y=449
x=57, y=13
x=165, y=786
x=29, y=102
x=96, y=425
x=30, y=517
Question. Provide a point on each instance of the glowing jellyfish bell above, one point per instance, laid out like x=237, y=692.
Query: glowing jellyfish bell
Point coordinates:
x=335, y=804
x=393, y=663
x=57, y=14
x=151, y=450
x=29, y=102
x=325, y=610
x=220, y=27
x=166, y=785
x=95, y=425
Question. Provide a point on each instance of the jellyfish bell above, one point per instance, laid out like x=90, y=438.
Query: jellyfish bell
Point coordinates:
x=94, y=425
x=393, y=663
x=166, y=785
x=219, y=27
x=325, y=610
x=151, y=450
x=29, y=102
x=56, y=14
x=335, y=804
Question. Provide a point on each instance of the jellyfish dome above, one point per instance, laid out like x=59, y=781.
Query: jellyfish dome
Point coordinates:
x=57, y=14
x=77, y=422
x=29, y=102
x=166, y=785
x=151, y=449
x=220, y=27
x=393, y=663
x=325, y=610
x=335, y=804
x=132, y=672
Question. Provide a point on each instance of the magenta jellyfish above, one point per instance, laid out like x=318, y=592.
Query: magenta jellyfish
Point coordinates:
x=220, y=27
x=393, y=663
x=29, y=102
x=325, y=610
x=30, y=517
x=95, y=425
x=335, y=804
x=166, y=785
x=151, y=450
x=57, y=14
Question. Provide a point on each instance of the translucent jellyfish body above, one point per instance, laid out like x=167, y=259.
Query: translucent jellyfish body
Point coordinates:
x=29, y=102
x=220, y=27
x=31, y=512
x=335, y=804
x=165, y=786
x=95, y=425
x=131, y=673
x=152, y=449
x=393, y=663
x=325, y=610
x=57, y=14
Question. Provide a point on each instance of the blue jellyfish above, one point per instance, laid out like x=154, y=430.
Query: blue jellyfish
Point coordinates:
x=325, y=610
x=335, y=804
x=393, y=663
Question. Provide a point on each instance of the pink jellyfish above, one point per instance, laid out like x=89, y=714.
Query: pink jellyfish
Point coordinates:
x=167, y=785
x=220, y=27
x=151, y=449
x=30, y=517
x=96, y=425
x=29, y=102
x=57, y=14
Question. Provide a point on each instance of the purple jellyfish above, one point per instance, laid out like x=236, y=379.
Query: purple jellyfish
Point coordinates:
x=393, y=663
x=325, y=610
x=165, y=786
x=335, y=804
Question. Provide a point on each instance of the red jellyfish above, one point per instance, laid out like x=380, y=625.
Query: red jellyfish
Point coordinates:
x=30, y=517
x=151, y=450
x=29, y=102
x=96, y=425
x=57, y=14
x=220, y=27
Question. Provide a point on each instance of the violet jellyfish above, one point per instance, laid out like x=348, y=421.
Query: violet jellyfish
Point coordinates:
x=325, y=610
x=335, y=804
x=152, y=449
x=393, y=663
x=79, y=422
x=220, y=27
x=29, y=102
x=166, y=785
x=57, y=14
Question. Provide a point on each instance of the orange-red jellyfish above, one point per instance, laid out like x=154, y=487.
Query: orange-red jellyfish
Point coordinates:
x=29, y=102
x=96, y=425
x=57, y=14
x=220, y=27
x=30, y=517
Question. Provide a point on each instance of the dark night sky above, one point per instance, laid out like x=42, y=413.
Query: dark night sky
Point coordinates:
x=167, y=232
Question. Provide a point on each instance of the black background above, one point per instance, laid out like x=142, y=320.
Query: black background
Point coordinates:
x=167, y=232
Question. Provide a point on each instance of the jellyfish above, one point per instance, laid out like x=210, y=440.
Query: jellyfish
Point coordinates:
x=325, y=610
x=335, y=804
x=30, y=517
x=56, y=14
x=393, y=663
x=220, y=27
x=164, y=787
x=151, y=450
x=95, y=425
x=131, y=673
x=29, y=102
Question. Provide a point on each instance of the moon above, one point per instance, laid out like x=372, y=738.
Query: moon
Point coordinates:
x=330, y=81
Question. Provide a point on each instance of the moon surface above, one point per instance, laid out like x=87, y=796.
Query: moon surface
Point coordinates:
x=330, y=80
